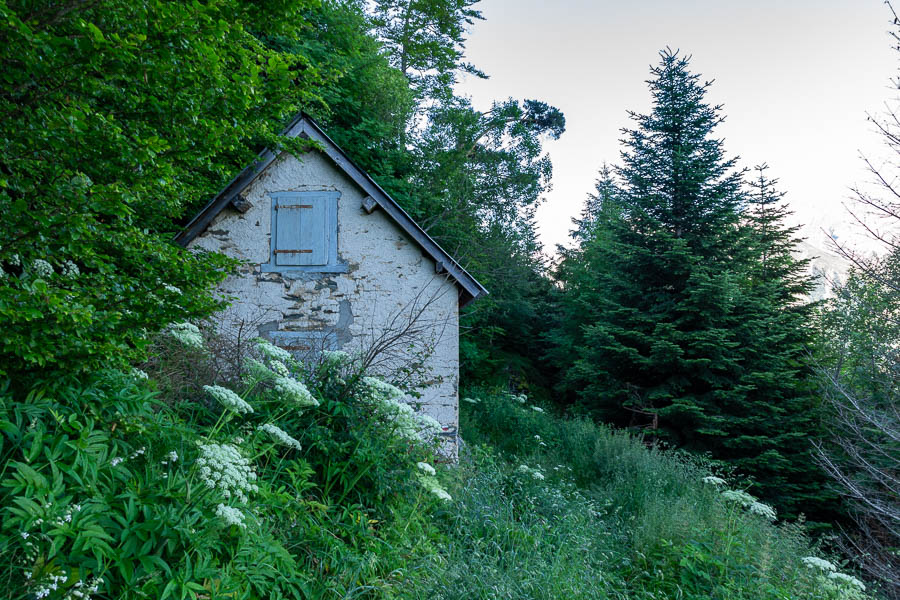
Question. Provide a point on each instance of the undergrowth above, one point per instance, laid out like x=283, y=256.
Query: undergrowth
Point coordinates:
x=314, y=481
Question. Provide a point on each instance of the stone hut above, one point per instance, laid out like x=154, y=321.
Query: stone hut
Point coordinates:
x=331, y=262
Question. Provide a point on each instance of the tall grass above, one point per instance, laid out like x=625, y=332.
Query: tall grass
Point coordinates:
x=550, y=507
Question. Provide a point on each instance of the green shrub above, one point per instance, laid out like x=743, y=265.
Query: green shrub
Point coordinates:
x=112, y=486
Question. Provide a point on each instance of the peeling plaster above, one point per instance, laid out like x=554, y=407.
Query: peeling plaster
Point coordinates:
x=386, y=273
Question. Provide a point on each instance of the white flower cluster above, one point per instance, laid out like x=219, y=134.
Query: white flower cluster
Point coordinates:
x=41, y=268
x=172, y=289
x=50, y=584
x=295, y=392
x=471, y=400
x=713, y=480
x=847, y=580
x=763, y=510
x=814, y=562
x=255, y=371
x=426, y=468
x=334, y=358
x=535, y=473
x=751, y=503
x=378, y=388
x=521, y=398
x=223, y=467
x=15, y=261
x=70, y=269
x=83, y=589
x=406, y=421
x=272, y=352
x=280, y=436
x=187, y=333
x=537, y=408
x=540, y=442
x=279, y=368
x=228, y=399
x=739, y=496
x=171, y=457
x=138, y=374
x=431, y=484
x=231, y=516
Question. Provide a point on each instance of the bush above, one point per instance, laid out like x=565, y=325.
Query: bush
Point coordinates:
x=115, y=488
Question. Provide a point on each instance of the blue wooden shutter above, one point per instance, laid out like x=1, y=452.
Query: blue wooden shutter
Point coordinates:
x=301, y=234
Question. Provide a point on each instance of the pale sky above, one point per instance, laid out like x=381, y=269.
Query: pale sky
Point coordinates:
x=795, y=77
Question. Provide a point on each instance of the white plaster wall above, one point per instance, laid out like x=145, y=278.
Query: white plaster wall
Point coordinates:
x=388, y=276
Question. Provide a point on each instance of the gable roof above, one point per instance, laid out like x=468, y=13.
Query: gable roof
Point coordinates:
x=304, y=126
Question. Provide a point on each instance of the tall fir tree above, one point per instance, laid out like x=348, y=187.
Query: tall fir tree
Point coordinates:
x=686, y=302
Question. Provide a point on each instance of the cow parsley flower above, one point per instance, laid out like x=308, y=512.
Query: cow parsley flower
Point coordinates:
x=222, y=466
x=138, y=374
x=763, y=510
x=814, y=562
x=739, y=496
x=294, y=392
x=379, y=389
x=172, y=456
x=231, y=516
x=271, y=351
x=713, y=480
x=280, y=436
x=334, y=358
x=442, y=494
x=426, y=468
x=15, y=261
x=255, y=370
x=471, y=400
x=70, y=269
x=537, y=409
x=172, y=289
x=431, y=484
x=534, y=473
x=428, y=425
x=228, y=399
x=41, y=268
x=187, y=333
x=116, y=461
x=279, y=368
x=847, y=579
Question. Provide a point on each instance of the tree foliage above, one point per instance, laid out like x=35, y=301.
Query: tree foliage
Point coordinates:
x=682, y=311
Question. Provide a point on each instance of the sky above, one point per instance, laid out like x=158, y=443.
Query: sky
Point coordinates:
x=796, y=79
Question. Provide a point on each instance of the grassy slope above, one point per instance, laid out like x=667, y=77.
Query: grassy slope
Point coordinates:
x=547, y=507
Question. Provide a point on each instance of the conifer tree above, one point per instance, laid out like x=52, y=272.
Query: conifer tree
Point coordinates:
x=687, y=302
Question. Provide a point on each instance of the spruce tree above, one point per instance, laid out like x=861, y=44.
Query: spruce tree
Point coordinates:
x=687, y=302
x=773, y=426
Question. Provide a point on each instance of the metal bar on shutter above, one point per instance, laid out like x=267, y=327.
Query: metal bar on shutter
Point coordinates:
x=292, y=251
x=277, y=206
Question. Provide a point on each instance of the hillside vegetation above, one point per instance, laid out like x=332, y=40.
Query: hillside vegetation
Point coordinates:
x=313, y=481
